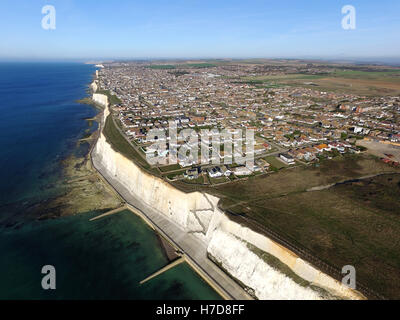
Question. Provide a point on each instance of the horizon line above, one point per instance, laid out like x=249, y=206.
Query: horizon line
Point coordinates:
x=371, y=60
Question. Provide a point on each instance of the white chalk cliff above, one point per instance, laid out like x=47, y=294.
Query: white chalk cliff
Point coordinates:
x=228, y=242
x=93, y=86
x=100, y=99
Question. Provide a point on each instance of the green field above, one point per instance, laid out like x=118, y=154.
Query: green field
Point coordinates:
x=199, y=180
x=199, y=65
x=356, y=223
x=181, y=66
x=371, y=83
x=162, y=66
x=173, y=175
x=119, y=143
x=353, y=223
x=263, y=79
x=171, y=167
x=219, y=180
x=372, y=75
x=274, y=162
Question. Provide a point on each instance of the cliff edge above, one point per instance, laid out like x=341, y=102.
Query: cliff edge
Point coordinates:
x=265, y=269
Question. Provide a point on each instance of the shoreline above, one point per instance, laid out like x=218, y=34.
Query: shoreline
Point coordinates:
x=239, y=294
x=74, y=179
x=168, y=248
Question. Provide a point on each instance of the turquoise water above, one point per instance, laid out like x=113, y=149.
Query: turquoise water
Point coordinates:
x=104, y=259
x=40, y=124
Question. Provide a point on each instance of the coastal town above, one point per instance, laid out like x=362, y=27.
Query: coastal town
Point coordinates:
x=293, y=125
x=200, y=158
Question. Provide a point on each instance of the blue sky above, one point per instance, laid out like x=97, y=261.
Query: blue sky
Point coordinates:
x=89, y=29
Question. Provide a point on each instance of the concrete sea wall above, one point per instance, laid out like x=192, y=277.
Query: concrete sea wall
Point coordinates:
x=227, y=241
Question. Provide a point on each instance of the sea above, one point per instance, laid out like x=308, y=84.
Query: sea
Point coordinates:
x=40, y=124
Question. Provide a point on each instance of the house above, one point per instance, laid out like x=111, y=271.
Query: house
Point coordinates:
x=338, y=146
x=264, y=165
x=298, y=153
x=215, y=172
x=192, y=173
x=184, y=120
x=135, y=132
x=186, y=161
x=287, y=158
x=259, y=149
x=323, y=147
x=267, y=146
x=242, y=171
x=254, y=168
x=309, y=156
x=226, y=171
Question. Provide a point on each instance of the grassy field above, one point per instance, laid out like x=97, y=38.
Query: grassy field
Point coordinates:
x=392, y=75
x=274, y=162
x=301, y=178
x=271, y=78
x=171, y=167
x=200, y=65
x=219, y=180
x=182, y=66
x=349, y=81
x=351, y=224
x=162, y=66
x=199, y=180
x=176, y=174
x=119, y=143
x=356, y=223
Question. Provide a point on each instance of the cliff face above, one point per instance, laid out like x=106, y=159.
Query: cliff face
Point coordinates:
x=193, y=211
x=231, y=244
x=227, y=242
x=266, y=282
x=100, y=99
x=93, y=86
